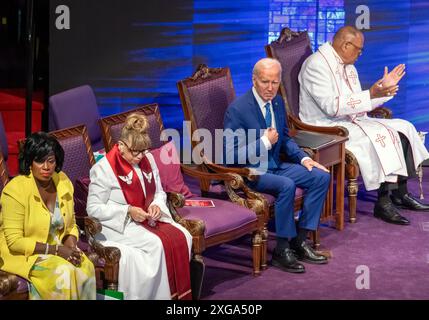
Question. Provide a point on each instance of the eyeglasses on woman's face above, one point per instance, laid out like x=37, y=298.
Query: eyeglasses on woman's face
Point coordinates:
x=134, y=152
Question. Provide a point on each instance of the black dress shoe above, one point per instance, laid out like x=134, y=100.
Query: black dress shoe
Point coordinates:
x=305, y=253
x=286, y=261
x=409, y=202
x=387, y=212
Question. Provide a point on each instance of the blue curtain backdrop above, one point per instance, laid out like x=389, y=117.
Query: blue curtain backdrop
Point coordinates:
x=133, y=52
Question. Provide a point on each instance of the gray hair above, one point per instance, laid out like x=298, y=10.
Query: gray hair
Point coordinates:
x=265, y=63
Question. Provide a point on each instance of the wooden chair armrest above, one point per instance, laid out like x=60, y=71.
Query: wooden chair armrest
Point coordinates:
x=200, y=174
x=337, y=130
x=8, y=283
x=244, y=172
x=381, y=112
x=110, y=255
x=175, y=201
x=253, y=200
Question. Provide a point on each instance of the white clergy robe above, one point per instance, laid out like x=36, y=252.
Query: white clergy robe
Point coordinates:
x=331, y=95
x=142, y=267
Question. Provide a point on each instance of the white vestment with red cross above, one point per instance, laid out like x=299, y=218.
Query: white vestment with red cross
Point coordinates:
x=331, y=95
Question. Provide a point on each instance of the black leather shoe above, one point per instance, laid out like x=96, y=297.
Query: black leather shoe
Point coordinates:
x=286, y=261
x=305, y=252
x=387, y=212
x=409, y=202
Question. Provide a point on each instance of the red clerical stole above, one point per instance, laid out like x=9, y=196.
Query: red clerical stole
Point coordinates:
x=173, y=240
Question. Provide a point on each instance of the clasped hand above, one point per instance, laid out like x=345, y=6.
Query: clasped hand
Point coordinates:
x=71, y=254
x=139, y=215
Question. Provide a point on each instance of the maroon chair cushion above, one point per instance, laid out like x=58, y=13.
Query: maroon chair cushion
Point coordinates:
x=168, y=163
x=75, y=166
x=291, y=56
x=224, y=217
x=81, y=196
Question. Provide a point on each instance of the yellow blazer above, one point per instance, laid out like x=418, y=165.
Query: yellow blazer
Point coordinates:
x=25, y=220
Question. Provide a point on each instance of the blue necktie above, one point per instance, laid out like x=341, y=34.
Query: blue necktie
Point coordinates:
x=268, y=116
x=268, y=121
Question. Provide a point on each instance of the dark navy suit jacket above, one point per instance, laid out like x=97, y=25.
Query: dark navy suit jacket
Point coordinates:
x=244, y=113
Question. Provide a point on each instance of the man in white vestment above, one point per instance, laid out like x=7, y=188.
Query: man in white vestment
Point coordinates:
x=388, y=150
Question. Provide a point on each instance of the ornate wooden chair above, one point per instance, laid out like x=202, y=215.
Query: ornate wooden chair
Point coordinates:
x=205, y=96
x=291, y=49
x=78, y=160
x=209, y=226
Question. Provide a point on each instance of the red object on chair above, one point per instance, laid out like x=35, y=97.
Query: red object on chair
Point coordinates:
x=12, y=108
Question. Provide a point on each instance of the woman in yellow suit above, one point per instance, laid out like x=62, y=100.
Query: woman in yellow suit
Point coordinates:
x=38, y=233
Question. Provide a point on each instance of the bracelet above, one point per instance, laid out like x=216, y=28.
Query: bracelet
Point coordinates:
x=47, y=249
x=56, y=249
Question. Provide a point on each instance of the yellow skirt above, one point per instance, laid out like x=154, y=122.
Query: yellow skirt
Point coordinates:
x=54, y=278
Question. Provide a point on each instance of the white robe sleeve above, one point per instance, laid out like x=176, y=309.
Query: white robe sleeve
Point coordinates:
x=319, y=82
x=100, y=204
x=376, y=102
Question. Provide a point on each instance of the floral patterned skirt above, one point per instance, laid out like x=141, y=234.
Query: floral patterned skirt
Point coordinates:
x=54, y=278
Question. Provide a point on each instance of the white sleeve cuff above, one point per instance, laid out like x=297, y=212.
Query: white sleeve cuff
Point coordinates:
x=303, y=159
x=266, y=142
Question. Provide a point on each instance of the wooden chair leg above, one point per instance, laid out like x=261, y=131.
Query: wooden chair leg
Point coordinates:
x=197, y=270
x=264, y=248
x=352, y=188
x=256, y=252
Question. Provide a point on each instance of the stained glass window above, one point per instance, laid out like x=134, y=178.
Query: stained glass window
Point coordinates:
x=321, y=18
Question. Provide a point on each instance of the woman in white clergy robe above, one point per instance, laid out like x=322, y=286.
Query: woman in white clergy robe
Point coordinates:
x=126, y=196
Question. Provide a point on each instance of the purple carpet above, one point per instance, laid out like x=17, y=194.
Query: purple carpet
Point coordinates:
x=395, y=260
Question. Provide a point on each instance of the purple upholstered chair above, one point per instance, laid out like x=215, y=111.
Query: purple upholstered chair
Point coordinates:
x=205, y=96
x=74, y=107
x=209, y=226
x=111, y=126
x=291, y=49
x=78, y=160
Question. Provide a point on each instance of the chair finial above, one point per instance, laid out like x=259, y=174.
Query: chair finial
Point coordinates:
x=286, y=35
x=204, y=72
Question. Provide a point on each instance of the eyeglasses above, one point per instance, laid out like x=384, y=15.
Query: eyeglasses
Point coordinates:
x=135, y=153
x=360, y=49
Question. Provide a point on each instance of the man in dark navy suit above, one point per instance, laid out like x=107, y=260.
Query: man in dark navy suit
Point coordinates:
x=261, y=113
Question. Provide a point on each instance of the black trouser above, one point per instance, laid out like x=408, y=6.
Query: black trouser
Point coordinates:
x=399, y=188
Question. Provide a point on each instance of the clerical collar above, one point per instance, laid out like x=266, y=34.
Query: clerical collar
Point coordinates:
x=259, y=100
x=336, y=55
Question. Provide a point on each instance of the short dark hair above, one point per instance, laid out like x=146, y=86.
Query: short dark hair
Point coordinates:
x=37, y=147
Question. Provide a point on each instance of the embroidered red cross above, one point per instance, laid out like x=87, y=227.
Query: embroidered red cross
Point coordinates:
x=380, y=139
x=353, y=103
x=353, y=76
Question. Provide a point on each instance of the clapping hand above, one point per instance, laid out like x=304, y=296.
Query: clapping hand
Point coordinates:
x=392, y=78
x=378, y=90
